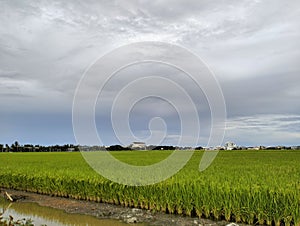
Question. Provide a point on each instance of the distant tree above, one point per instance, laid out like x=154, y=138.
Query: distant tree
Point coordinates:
x=199, y=148
x=16, y=145
x=1, y=147
x=76, y=148
x=164, y=148
x=7, y=148
x=117, y=148
x=13, y=148
x=151, y=147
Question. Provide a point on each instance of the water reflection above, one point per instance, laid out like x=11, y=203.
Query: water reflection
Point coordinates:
x=50, y=216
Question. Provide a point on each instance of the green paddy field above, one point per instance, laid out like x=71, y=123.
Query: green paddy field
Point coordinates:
x=255, y=187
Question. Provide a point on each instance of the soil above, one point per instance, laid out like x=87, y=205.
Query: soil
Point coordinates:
x=110, y=211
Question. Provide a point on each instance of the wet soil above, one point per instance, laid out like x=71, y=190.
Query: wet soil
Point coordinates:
x=110, y=211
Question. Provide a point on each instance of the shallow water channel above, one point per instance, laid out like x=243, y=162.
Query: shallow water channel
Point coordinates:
x=50, y=216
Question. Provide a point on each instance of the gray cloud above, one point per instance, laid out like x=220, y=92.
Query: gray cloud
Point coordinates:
x=8, y=74
x=265, y=129
x=274, y=93
x=252, y=46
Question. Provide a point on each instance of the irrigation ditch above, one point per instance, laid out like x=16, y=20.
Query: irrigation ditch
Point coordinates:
x=118, y=214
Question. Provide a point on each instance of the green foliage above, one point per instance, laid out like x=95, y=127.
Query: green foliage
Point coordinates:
x=255, y=187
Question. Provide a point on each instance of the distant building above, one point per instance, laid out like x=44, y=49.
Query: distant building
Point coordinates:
x=138, y=146
x=259, y=148
x=230, y=146
x=71, y=149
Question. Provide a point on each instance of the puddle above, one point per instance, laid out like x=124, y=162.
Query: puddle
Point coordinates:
x=50, y=216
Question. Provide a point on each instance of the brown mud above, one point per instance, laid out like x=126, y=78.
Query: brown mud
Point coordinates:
x=110, y=211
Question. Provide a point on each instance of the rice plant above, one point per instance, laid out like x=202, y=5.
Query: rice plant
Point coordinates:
x=254, y=187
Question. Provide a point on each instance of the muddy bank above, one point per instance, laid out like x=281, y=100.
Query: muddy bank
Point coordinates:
x=109, y=211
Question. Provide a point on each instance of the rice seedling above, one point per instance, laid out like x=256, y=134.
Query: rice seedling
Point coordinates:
x=255, y=187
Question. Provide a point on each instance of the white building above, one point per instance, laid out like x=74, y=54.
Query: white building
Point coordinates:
x=230, y=146
x=138, y=146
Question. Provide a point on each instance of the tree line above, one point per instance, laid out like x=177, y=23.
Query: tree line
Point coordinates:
x=16, y=147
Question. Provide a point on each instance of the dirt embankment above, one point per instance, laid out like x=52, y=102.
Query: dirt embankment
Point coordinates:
x=109, y=211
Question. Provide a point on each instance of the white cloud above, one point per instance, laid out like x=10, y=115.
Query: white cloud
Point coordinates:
x=264, y=129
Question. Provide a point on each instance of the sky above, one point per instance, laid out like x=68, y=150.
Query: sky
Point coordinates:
x=252, y=48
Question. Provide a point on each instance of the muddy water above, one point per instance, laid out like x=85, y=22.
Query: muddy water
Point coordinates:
x=50, y=216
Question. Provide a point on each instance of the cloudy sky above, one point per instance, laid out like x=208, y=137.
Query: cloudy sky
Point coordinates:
x=252, y=46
